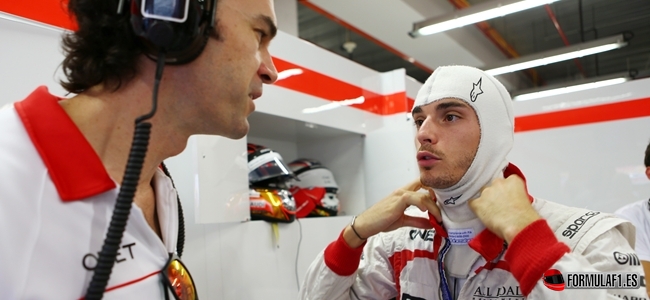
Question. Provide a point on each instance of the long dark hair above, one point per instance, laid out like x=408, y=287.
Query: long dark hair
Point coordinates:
x=103, y=49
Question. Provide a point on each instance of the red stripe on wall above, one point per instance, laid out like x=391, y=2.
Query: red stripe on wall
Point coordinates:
x=319, y=85
x=52, y=12
x=584, y=115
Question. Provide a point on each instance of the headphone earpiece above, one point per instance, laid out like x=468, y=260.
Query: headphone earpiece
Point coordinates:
x=181, y=28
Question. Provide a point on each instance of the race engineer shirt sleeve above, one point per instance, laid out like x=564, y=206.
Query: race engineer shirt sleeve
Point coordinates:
x=342, y=273
x=607, y=253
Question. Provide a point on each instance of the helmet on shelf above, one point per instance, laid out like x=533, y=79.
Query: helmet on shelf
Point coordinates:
x=272, y=204
x=314, y=189
x=266, y=165
x=270, y=198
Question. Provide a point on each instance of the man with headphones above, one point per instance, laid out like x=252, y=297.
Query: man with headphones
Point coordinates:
x=63, y=160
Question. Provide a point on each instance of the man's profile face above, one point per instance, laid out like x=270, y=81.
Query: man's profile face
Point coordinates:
x=448, y=135
x=230, y=73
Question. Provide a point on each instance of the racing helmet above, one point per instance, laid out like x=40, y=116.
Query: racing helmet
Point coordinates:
x=272, y=204
x=270, y=198
x=314, y=189
x=265, y=164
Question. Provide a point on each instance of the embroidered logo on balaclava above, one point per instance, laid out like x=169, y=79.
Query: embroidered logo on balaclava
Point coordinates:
x=476, y=90
x=452, y=200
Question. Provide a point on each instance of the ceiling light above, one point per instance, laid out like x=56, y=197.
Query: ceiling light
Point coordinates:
x=474, y=14
x=575, y=86
x=557, y=55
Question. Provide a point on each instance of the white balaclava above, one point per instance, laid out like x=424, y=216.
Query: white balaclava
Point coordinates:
x=492, y=104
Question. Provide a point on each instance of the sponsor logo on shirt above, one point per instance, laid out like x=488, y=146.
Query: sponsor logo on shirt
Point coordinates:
x=626, y=297
x=89, y=261
x=627, y=259
x=500, y=293
x=577, y=224
x=426, y=235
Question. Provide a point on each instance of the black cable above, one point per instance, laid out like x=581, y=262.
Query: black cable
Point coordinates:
x=107, y=255
x=298, y=253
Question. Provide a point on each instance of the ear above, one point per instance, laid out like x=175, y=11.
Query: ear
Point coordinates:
x=647, y=172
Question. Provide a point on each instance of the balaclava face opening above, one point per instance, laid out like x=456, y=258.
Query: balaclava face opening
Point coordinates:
x=493, y=106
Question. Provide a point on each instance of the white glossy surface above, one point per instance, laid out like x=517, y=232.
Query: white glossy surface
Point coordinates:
x=221, y=180
x=29, y=57
x=389, y=156
x=597, y=166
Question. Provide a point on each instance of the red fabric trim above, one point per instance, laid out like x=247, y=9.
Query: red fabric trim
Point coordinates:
x=486, y=243
x=399, y=260
x=438, y=227
x=585, y=115
x=127, y=283
x=75, y=169
x=341, y=258
x=532, y=252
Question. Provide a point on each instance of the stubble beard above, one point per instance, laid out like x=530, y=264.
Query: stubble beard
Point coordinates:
x=449, y=177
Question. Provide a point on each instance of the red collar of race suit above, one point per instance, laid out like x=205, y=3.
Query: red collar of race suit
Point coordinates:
x=486, y=243
x=74, y=167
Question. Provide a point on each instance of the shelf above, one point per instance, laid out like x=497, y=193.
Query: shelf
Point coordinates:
x=338, y=150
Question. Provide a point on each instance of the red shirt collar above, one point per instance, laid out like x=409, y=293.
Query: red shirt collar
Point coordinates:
x=74, y=167
x=486, y=243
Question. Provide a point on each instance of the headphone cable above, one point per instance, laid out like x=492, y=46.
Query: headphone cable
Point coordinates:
x=108, y=253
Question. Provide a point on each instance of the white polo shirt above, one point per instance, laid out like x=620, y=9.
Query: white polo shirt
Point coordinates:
x=638, y=213
x=56, y=202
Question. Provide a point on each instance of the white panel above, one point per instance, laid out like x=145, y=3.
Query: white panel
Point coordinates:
x=597, y=166
x=260, y=268
x=389, y=157
x=412, y=87
x=29, y=56
x=222, y=179
x=386, y=83
x=202, y=251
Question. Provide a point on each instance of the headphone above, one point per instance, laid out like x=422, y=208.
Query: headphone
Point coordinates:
x=180, y=28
